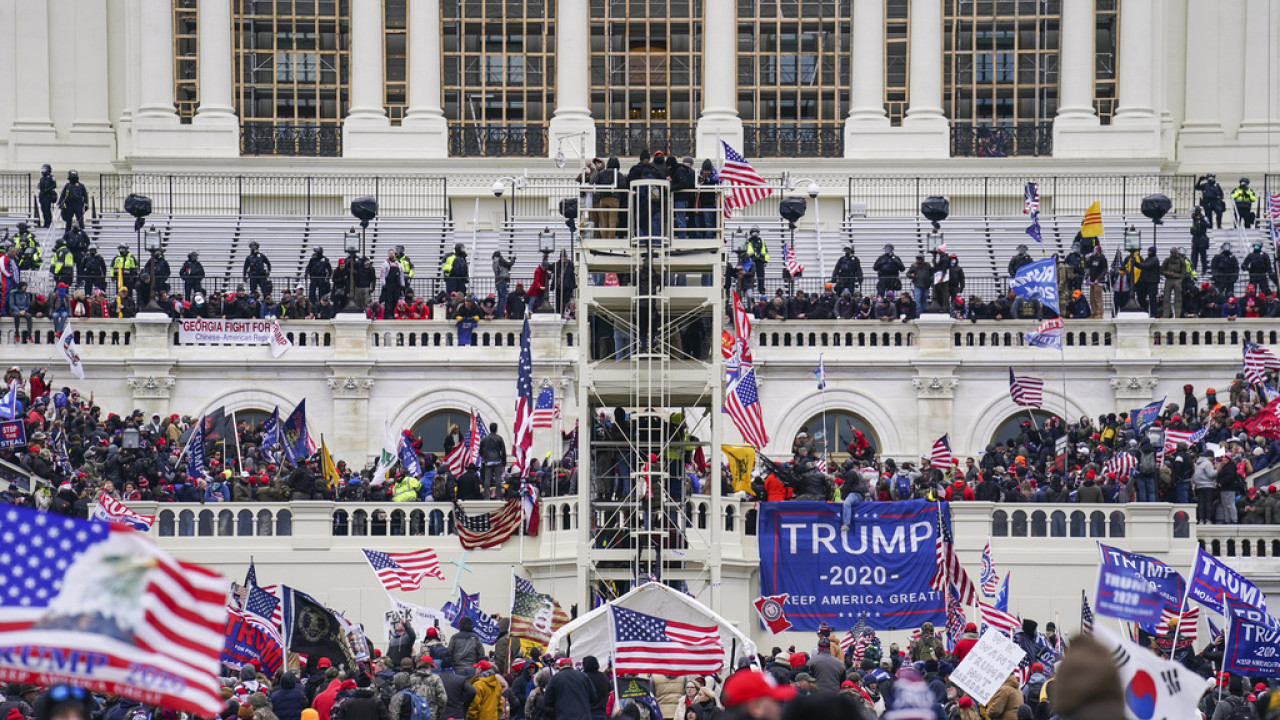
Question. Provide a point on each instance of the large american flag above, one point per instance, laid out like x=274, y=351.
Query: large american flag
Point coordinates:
x=645, y=644
x=950, y=571
x=1025, y=390
x=467, y=451
x=110, y=509
x=742, y=402
x=744, y=183
x=998, y=619
x=1086, y=615
x=404, y=570
x=794, y=268
x=1031, y=199
x=523, y=443
x=1257, y=361
x=940, y=455
x=101, y=607
x=1122, y=464
x=988, y=576
x=1188, y=625
x=545, y=410
x=488, y=529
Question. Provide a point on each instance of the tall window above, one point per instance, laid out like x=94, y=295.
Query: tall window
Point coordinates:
x=1105, y=42
x=793, y=75
x=897, y=45
x=646, y=74
x=396, y=58
x=292, y=75
x=186, y=58
x=1001, y=61
x=499, y=75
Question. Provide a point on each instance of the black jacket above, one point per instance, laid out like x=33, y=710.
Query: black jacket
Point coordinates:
x=319, y=267
x=459, y=692
x=493, y=448
x=570, y=695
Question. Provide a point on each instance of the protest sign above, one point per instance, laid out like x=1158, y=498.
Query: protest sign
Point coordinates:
x=987, y=666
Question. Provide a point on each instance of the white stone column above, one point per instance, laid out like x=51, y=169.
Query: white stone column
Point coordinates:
x=1075, y=66
x=866, y=96
x=572, y=116
x=155, y=93
x=719, y=117
x=91, y=139
x=424, y=117
x=31, y=45
x=215, y=66
x=1200, y=109
x=367, y=66
x=1261, y=110
x=927, y=127
x=1136, y=97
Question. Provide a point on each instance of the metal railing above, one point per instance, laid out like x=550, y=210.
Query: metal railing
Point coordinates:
x=806, y=141
x=291, y=139
x=495, y=141
x=631, y=140
x=1003, y=140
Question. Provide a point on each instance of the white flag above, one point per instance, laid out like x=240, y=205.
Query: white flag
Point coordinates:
x=280, y=343
x=1153, y=687
x=67, y=346
x=387, y=459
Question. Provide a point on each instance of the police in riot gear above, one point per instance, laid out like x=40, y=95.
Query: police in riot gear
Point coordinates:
x=47, y=194
x=319, y=276
x=124, y=268
x=73, y=201
x=1258, y=265
x=29, y=255
x=406, y=265
x=888, y=269
x=192, y=274
x=78, y=243
x=1244, y=197
x=160, y=266
x=62, y=264
x=1226, y=270
x=759, y=254
x=1017, y=261
x=848, y=272
x=93, y=271
x=257, y=271
x=1211, y=197
x=454, y=270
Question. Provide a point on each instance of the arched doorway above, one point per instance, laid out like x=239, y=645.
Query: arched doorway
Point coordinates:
x=1012, y=425
x=835, y=425
x=253, y=417
x=434, y=427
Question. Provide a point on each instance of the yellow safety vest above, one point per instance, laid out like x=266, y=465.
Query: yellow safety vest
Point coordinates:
x=406, y=490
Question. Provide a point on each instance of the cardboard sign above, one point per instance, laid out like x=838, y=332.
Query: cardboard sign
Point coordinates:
x=12, y=434
x=987, y=666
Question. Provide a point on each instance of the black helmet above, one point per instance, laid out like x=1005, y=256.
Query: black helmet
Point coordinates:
x=399, y=250
x=457, y=247
x=73, y=176
x=122, y=248
x=22, y=225
x=1212, y=176
x=755, y=229
x=1226, y=247
x=253, y=246
x=888, y=249
x=45, y=169
x=93, y=249
x=193, y=256
x=1244, y=181
x=1022, y=248
x=318, y=251
x=848, y=249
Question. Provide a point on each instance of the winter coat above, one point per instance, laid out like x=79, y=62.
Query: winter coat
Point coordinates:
x=428, y=686
x=288, y=700
x=487, y=704
x=459, y=692
x=570, y=695
x=364, y=704
x=1005, y=703
x=465, y=648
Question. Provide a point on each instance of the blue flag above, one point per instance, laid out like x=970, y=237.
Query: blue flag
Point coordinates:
x=1037, y=280
x=271, y=430
x=297, y=443
x=1127, y=595
x=1002, y=595
x=1253, y=643
x=1142, y=418
x=821, y=373
x=485, y=627
x=1168, y=582
x=1213, y=583
x=195, y=455
x=408, y=458
x=1034, y=228
x=9, y=406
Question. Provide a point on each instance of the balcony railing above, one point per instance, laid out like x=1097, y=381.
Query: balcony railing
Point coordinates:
x=998, y=141
x=291, y=139
x=801, y=141
x=495, y=141
x=628, y=141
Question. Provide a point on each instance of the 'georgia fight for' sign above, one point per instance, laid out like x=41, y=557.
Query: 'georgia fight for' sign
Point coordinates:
x=879, y=569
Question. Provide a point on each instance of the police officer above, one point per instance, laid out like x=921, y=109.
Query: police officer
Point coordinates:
x=1244, y=198
x=78, y=243
x=759, y=254
x=848, y=272
x=1211, y=197
x=319, y=276
x=29, y=255
x=454, y=270
x=192, y=274
x=124, y=268
x=888, y=269
x=1017, y=261
x=1258, y=265
x=62, y=264
x=93, y=271
x=73, y=200
x=257, y=270
x=1226, y=270
x=48, y=194
x=148, y=289
x=1200, y=227
x=406, y=266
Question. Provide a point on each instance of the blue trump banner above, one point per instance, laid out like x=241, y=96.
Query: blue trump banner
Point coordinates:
x=408, y=458
x=1253, y=643
x=1126, y=595
x=484, y=626
x=1168, y=582
x=1141, y=418
x=271, y=430
x=879, y=569
x=1037, y=280
x=250, y=638
x=195, y=455
x=1212, y=582
x=297, y=441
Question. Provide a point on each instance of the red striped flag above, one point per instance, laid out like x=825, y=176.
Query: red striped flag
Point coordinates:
x=488, y=529
x=1188, y=626
x=940, y=455
x=1122, y=464
x=1257, y=361
x=1025, y=390
x=110, y=612
x=523, y=444
x=545, y=410
x=405, y=570
x=999, y=619
x=647, y=644
x=742, y=403
x=949, y=568
x=794, y=268
x=744, y=183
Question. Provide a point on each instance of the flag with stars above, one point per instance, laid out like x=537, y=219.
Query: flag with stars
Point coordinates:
x=110, y=509
x=955, y=618
x=645, y=644
x=989, y=578
x=545, y=410
x=949, y=568
x=486, y=530
x=404, y=570
x=742, y=402
x=743, y=182
x=849, y=641
x=101, y=607
x=262, y=603
x=1086, y=615
x=484, y=626
x=523, y=444
x=535, y=615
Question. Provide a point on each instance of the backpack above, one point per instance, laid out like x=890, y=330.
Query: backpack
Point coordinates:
x=1240, y=709
x=1147, y=465
x=420, y=709
x=902, y=485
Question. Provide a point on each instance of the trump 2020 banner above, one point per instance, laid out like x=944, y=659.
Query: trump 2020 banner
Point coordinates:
x=1167, y=581
x=250, y=638
x=1253, y=643
x=879, y=569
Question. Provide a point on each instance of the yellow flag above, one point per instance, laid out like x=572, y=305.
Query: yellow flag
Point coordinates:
x=327, y=468
x=1092, y=225
x=741, y=460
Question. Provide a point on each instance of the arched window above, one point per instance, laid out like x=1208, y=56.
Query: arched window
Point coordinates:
x=999, y=523
x=837, y=427
x=434, y=427
x=252, y=417
x=1012, y=425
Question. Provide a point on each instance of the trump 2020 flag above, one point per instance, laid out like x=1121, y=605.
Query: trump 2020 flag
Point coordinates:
x=250, y=638
x=1037, y=280
x=271, y=430
x=409, y=458
x=9, y=405
x=1144, y=416
x=1153, y=687
x=110, y=509
x=109, y=612
x=1253, y=643
x=1212, y=582
x=195, y=455
x=484, y=626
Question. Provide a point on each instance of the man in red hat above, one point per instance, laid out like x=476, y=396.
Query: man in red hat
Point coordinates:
x=756, y=695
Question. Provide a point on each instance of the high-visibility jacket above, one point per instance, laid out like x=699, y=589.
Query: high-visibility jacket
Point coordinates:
x=758, y=250
x=125, y=262
x=446, y=267
x=62, y=259
x=406, y=267
x=1244, y=194
x=406, y=489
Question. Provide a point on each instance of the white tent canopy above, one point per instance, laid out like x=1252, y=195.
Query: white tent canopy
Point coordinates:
x=592, y=635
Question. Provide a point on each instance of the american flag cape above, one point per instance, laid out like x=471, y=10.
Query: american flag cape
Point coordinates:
x=403, y=570
x=1122, y=464
x=109, y=612
x=744, y=183
x=645, y=644
x=488, y=530
x=110, y=509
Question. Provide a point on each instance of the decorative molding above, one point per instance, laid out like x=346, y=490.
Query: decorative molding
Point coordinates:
x=1134, y=387
x=935, y=387
x=150, y=387
x=351, y=388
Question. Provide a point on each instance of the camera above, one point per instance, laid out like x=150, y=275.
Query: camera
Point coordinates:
x=498, y=188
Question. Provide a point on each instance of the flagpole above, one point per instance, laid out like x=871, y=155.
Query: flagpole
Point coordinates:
x=511, y=638
x=826, y=441
x=235, y=431
x=1226, y=637
x=613, y=659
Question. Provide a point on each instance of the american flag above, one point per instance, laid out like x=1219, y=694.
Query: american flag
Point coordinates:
x=1273, y=209
x=1188, y=625
x=535, y=615
x=794, y=268
x=1031, y=197
x=277, y=615
x=955, y=618
x=404, y=570
x=1173, y=437
x=950, y=571
x=744, y=183
x=940, y=455
x=545, y=410
x=742, y=402
x=467, y=451
x=1215, y=632
x=740, y=353
x=998, y=619
x=488, y=529
x=850, y=640
x=263, y=604
x=645, y=644
x=989, y=578
x=110, y=509
x=1025, y=390
x=1257, y=361
x=1122, y=464
x=1023, y=671
x=1086, y=615
x=820, y=464
x=142, y=624
x=523, y=444
x=1198, y=435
